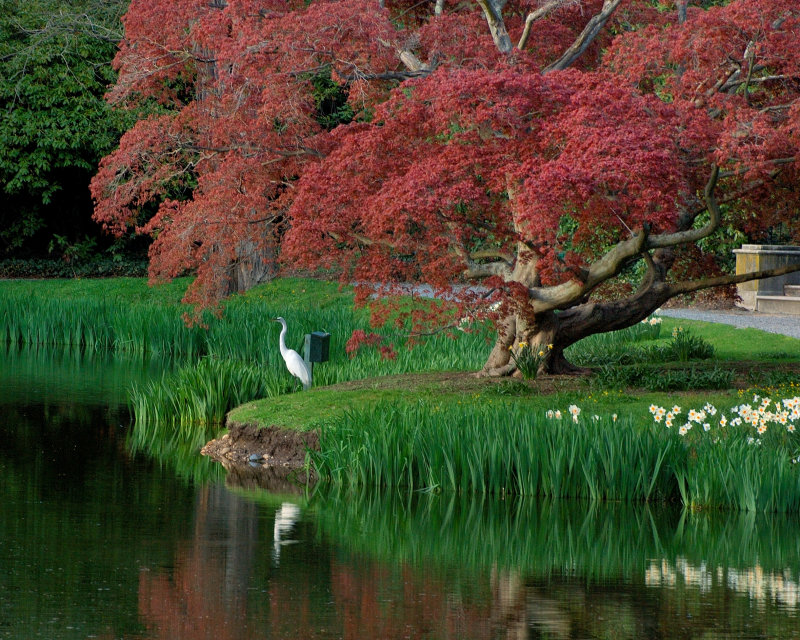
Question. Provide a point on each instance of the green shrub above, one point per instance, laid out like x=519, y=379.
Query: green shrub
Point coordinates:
x=529, y=358
x=658, y=378
x=620, y=348
x=686, y=346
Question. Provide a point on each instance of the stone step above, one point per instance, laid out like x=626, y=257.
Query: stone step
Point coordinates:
x=778, y=304
x=792, y=290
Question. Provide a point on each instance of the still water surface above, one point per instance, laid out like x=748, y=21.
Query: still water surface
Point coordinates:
x=100, y=542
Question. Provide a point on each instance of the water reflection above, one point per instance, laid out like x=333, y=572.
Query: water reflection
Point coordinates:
x=99, y=541
x=225, y=581
x=70, y=376
x=566, y=570
x=780, y=587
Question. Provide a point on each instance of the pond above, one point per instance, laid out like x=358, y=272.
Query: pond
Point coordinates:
x=99, y=541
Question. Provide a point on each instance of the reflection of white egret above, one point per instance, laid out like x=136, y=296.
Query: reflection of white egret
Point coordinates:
x=285, y=518
x=294, y=363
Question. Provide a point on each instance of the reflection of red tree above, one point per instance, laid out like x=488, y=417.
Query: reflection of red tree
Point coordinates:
x=205, y=595
x=370, y=601
x=192, y=603
x=375, y=602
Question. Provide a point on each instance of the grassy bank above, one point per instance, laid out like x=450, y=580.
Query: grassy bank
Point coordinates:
x=420, y=419
x=741, y=457
x=124, y=314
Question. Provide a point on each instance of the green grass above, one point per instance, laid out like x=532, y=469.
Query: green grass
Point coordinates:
x=126, y=315
x=464, y=429
x=502, y=448
x=734, y=344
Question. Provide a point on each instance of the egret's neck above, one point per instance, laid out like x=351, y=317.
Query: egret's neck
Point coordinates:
x=283, y=339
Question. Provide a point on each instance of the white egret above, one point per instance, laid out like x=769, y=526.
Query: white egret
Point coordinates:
x=294, y=363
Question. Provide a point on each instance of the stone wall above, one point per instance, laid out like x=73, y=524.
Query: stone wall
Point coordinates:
x=756, y=257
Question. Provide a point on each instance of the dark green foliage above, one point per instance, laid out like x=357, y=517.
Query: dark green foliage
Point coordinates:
x=659, y=378
x=55, y=126
x=97, y=266
x=622, y=362
x=771, y=379
x=618, y=348
x=330, y=100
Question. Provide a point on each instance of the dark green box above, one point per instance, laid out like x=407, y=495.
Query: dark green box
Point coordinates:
x=318, y=346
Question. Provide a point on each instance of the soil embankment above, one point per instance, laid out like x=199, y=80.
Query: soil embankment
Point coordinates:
x=247, y=445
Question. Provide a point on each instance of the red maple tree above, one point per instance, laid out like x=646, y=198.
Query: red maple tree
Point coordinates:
x=539, y=149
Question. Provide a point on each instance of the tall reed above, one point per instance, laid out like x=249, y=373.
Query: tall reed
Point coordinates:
x=231, y=347
x=738, y=474
x=195, y=398
x=504, y=449
x=97, y=324
x=244, y=331
x=499, y=449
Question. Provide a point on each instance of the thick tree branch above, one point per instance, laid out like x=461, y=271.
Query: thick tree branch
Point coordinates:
x=678, y=288
x=476, y=270
x=651, y=275
x=492, y=9
x=533, y=16
x=565, y=294
x=492, y=253
x=388, y=75
x=586, y=37
x=693, y=235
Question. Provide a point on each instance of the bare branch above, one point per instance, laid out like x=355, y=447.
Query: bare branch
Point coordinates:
x=533, y=16
x=678, y=288
x=776, y=161
x=735, y=82
x=492, y=9
x=586, y=37
x=693, y=235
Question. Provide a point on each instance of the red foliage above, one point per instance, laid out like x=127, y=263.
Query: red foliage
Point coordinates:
x=449, y=170
x=388, y=352
x=461, y=157
x=361, y=338
x=236, y=126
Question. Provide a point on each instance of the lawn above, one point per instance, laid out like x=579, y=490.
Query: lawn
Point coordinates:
x=423, y=420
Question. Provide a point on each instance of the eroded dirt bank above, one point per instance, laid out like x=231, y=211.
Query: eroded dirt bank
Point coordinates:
x=259, y=452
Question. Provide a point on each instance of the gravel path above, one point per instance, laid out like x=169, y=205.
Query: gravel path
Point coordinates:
x=772, y=322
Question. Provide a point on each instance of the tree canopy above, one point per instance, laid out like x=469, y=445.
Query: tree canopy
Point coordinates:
x=54, y=71
x=540, y=149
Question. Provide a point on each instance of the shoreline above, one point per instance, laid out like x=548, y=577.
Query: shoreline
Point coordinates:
x=256, y=448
